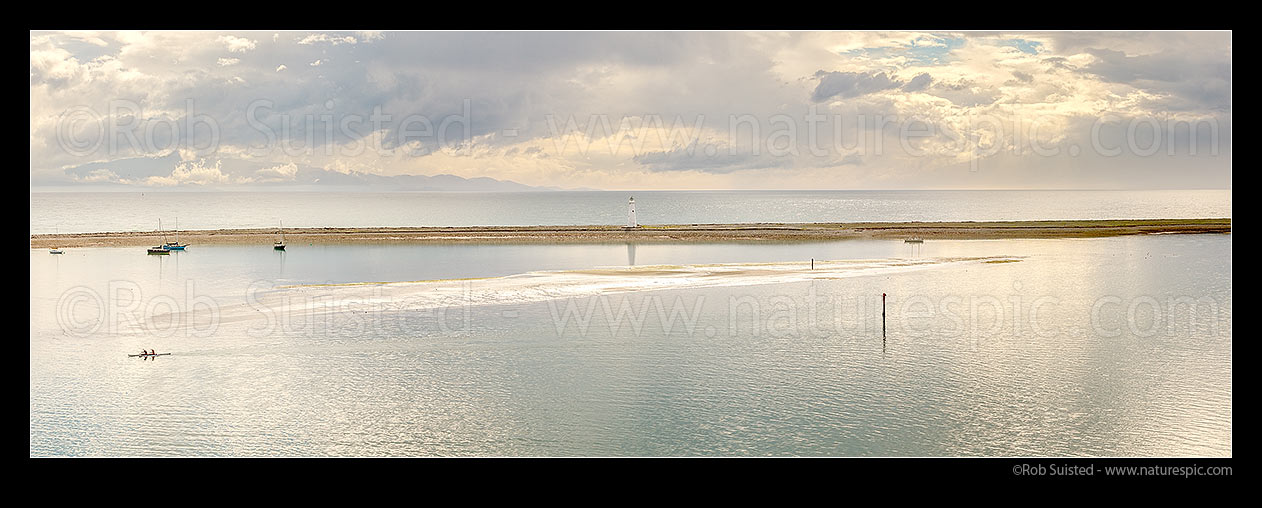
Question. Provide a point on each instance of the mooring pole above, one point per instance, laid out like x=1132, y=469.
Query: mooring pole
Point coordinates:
x=812, y=263
x=882, y=315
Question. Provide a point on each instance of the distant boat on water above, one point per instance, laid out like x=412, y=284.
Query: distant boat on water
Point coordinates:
x=280, y=245
x=914, y=240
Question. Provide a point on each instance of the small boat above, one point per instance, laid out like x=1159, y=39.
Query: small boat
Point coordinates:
x=176, y=244
x=161, y=248
x=54, y=250
x=914, y=240
x=281, y=244
x=150, y=354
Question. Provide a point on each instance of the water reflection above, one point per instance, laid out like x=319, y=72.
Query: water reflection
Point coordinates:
x=506, y=382
x=280, y=262
x=916, y=249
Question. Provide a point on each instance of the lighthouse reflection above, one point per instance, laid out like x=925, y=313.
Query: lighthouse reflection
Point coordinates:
x=630, y=254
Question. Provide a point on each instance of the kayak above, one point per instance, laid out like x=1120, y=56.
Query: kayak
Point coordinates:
x=148, y=354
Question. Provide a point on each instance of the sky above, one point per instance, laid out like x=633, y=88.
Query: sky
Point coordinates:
x=632, y=110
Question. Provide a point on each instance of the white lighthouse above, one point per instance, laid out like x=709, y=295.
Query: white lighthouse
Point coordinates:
x=631, y=223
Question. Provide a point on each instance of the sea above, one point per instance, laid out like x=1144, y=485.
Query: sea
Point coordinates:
x=92, y=212
x=1093, y=347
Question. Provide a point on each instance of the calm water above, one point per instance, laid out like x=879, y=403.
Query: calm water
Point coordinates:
x=112, y=211
x=1100, y=347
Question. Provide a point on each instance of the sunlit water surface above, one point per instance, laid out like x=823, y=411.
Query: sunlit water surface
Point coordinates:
x=1082, y=347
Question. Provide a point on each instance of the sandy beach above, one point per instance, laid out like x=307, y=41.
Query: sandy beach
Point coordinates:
x=675, y=233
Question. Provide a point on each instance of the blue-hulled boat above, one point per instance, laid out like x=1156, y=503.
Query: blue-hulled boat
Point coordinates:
x=176, y=245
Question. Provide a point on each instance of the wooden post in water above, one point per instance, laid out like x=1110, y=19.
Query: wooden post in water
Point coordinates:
x=812, y=263
x=882, y=316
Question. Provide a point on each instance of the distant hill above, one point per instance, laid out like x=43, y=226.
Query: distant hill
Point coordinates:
x=172, y=172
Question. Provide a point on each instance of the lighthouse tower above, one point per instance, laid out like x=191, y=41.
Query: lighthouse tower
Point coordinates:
x=631, y=213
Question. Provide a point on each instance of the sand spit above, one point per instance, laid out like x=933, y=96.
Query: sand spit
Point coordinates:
x=303, y=302
x=678, y=233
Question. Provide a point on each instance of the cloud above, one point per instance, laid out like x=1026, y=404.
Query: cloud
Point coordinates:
x=1058, y=62
x=370, y=35
x=506, y=98
x=99, y=176
x=328, y=39
x=278, y=173
x=1186, y=79
x=236, y=44
x=851, y=84
x=192, y=173
x=918, y=83
x=92, y=38
x=713, y=158
x=965, y=93
x=54, y=66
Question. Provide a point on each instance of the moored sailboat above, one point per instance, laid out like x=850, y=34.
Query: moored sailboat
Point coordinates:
x=56, y=250
x=162, y=247
x=176, y=245
x=280, y=245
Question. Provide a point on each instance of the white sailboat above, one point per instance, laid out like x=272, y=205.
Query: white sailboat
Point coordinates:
x=281, y=244
x=55, y=250
x=162, y=247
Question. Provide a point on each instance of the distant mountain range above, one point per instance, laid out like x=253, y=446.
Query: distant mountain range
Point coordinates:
x=173, y=172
